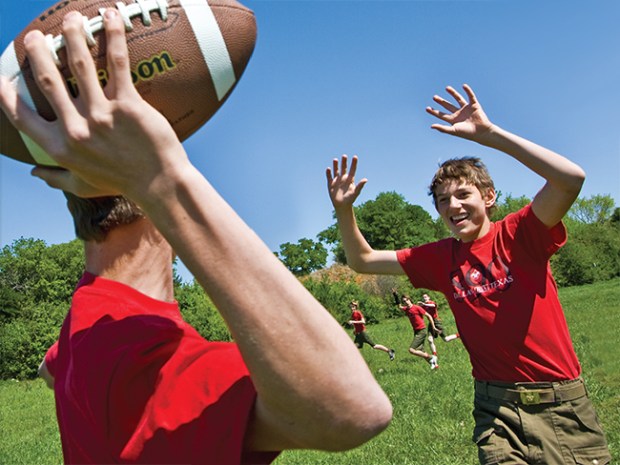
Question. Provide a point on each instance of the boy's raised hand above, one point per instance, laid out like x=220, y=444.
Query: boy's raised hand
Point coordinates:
x=465, y=119
x=343, y=191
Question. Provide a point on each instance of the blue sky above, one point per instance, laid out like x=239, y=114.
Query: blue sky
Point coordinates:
x=332, y=77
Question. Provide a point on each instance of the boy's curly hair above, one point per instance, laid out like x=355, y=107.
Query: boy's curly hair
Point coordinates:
x=467, y=169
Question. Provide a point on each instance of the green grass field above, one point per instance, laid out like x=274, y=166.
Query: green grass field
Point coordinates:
x=432, y=409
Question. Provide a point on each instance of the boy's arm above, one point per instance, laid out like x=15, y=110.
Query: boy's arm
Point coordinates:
x=308, y=396
x=430, y=320
x=46, y=375
x=395, y=297
x=44, y=369
x=343, y=191
x=563, y=177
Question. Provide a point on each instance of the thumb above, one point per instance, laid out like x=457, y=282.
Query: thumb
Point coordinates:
x=65, y=180
x=443, y=128
x=359, y=186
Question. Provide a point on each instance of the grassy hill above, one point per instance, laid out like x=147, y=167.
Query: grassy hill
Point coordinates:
x=432, y=409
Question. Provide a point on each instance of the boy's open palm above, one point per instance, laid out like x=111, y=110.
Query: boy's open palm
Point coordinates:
x=466, y=119
x=343, y=191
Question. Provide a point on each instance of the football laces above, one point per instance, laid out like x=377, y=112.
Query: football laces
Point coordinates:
x=142, y=8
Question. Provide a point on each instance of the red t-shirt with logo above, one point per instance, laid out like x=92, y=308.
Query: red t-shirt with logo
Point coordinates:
x=415, y=313
x=134, y=383
x=503, y=297
x=356, y=315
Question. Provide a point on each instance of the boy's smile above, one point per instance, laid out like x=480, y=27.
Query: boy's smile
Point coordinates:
x=463, y=209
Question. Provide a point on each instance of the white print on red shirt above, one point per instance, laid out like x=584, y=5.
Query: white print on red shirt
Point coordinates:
x=479, y=280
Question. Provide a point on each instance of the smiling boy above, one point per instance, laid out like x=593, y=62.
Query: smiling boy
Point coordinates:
x=530, y=404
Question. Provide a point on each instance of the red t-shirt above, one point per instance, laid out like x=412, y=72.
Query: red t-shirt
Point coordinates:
x=415, y=313
x=134, y=383
x=503, y=297
x=431, y=308
x=356, y=315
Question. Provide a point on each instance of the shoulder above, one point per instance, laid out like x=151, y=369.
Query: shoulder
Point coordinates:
x=525, y=228
x=425, y=251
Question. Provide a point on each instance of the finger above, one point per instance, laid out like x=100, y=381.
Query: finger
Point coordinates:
x=437, y=113
x=444, y=103
x=65, y=180
x=47, y=75
x=335, y=167
x=359, y=186
x=343, y=165
x=328, y=175
x=458, y=97
x=353, y=168
x=120, y=82
x=80, y=60
x=443, y=128
x=470, y=94
x=25, y=119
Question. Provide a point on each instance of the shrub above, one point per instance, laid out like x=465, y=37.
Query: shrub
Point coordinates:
x=198, y=310
x=25, y=340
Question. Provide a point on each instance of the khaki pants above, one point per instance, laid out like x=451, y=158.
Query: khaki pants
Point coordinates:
x=537, y=423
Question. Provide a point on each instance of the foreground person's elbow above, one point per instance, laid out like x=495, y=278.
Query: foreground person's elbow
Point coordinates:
x=369, y=420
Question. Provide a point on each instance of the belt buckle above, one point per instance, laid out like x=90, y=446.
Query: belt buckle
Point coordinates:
x=529, y=397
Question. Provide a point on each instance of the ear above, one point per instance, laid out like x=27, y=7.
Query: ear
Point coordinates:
x=489, y=198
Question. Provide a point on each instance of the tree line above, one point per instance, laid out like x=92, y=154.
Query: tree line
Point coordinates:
x=37, y=280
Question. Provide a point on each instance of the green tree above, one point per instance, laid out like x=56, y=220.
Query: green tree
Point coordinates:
x=32, y=271
x=36, y=284
x=388, y=222
x=199, y=311
x=441, y=230
x=304, y=257
x=597, y=209
x=591, y=254
x=507, y=205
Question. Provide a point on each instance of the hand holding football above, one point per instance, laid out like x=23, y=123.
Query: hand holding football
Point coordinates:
x=186, y=57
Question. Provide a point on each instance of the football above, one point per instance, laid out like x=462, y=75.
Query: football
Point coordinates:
x=186, y=57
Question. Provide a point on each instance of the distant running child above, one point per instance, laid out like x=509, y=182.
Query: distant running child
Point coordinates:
x=416, y=315
x=361, y=334
x=431, y=307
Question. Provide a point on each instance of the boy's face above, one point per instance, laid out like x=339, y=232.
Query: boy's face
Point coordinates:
x=463, y=209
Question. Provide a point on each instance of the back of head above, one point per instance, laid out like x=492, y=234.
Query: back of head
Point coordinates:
x=95, y=218
x=467, y=169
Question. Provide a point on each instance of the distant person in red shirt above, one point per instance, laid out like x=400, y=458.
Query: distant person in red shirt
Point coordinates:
x=530, y=403
x=431, y=307
x=416, y=315
x=133, y=382
x=361, y=334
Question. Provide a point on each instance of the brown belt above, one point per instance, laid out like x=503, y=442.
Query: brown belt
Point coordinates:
x=534, y=393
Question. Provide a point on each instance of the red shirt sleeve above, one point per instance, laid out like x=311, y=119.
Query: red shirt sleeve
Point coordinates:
x=50, y=358
x=523, y=229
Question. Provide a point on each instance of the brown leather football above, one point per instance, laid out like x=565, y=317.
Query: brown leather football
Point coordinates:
x=186, y=58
